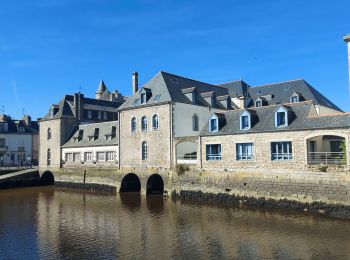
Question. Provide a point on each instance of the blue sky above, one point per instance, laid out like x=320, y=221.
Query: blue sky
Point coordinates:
x=49, y=48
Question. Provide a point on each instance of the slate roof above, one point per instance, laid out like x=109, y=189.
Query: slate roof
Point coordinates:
x=171, y=87
x=13, y=125
x=236, y=88
x=65, y=107
x=263, y=120
x=282, y=91
x=105, y=128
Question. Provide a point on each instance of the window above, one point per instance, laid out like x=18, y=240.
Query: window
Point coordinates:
x=2, y=142
x=48, y=156
x=21, y=129
x=69, y=157
x=294, y=99
x=4, y=127
x=89, y=114
x=281, y=151
x=244, y=151
x=99, y=115
x=258, y=103
x=114, y=132
x=213, y=125
x=143, y=98
x=144, y=123
x=195, y=126
x=245, y=120
x=104, y=115
x=110, y=156
x=80, y=135
x=49, y=134
x=213, y=152
x=144, y=151
x=156, y=98
x=96, y=133
x=133, y=125
x=155, y=122
x=281, y=119
x=88, y=156
x=76, y=157
x=100, y=156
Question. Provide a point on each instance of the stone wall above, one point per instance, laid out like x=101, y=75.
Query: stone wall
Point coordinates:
x=262, y=149
x=158, y=141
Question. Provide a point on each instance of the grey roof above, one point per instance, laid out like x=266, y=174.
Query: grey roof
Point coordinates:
x=65, y=108
x=263, y=120
x=282, y=91
x=236, y=88
x=105, y=129
x=101, y=87
x=171, y=87
x=13, y=127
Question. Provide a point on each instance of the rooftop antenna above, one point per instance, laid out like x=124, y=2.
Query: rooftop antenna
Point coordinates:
x=80, y=88
x=3, y=109
x=23, y=111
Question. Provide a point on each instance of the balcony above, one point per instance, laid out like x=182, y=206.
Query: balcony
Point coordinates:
x=338, y=158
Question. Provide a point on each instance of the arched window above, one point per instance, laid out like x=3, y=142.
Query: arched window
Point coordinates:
x=195, y=122
x=48, y=156
x=48, y=133
x=155, y=122
x=144, y=123
x=133, y=125
x=144, y=150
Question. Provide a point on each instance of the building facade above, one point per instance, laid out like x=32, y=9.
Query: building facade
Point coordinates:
x=19, y=141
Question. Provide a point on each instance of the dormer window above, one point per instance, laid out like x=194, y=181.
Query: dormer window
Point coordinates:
x=143, y=98
x=213, y=124
x=258, y=103
x=114, y=132
x=281, y=117
x=245, y=121
x=294, y=99
x=80, y=135
x=96, y=133
x=89, y=114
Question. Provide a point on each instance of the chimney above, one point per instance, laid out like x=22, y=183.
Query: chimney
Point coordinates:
x=78, y=105
x=27, y=119
x=135, y=82
x=242, y=102
x=347, y=40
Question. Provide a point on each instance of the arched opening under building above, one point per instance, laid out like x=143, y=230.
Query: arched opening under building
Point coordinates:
x=186, y=153
x=155, y=184
x=326, y=149
x=47, y=178
x=130, y=183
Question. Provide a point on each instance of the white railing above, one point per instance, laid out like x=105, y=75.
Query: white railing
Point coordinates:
x=326, y=158
x=281, y=156
x=186, y=159
x=213, y=157
x=245, y=157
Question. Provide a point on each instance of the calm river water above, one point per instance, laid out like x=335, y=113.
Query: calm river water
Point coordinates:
x=49, y=223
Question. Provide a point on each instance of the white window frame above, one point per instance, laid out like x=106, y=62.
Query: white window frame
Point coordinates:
x=287, y=150
x=245, y=114
x=259, y=101
x=105, y=115
x=157, y=126
x=281, y=110
x=86, y=157
x=144, y=129
x=144, y=151
x=113, y=157
x=133, y=128
x=214, y=117
x=244, y=155
x=68, y=157
x=104, y=156
x=210, y=156
x=89, y=114
x=78, y=159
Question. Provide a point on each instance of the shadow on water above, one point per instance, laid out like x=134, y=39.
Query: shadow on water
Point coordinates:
x=155, y=203
x=130, y=200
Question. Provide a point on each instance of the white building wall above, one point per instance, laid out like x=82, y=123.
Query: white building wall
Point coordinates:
x=13, y=142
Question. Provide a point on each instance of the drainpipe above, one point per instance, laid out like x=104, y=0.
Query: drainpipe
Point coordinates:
x=200, y=152
x=171, y=135
x=119, y=142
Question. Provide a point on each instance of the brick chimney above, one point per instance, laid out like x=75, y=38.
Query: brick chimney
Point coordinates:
x=135, y=82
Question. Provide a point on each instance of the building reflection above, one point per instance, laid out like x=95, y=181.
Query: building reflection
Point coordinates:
x=79, y=225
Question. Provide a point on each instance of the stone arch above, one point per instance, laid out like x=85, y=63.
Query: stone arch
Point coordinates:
x=130, y=183
x=155, y=184
x=47, y=178
x=186, y=152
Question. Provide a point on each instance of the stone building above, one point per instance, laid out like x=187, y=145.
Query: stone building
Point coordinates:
x=63, y=120
x=19, y=141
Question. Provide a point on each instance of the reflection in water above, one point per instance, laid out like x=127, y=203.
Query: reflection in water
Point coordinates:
x=47, y=223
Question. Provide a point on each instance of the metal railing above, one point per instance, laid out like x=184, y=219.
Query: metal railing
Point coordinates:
x=245, y=157
x=213, y=157
x=326, y=158
x=281, y=156
x=186, y=159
